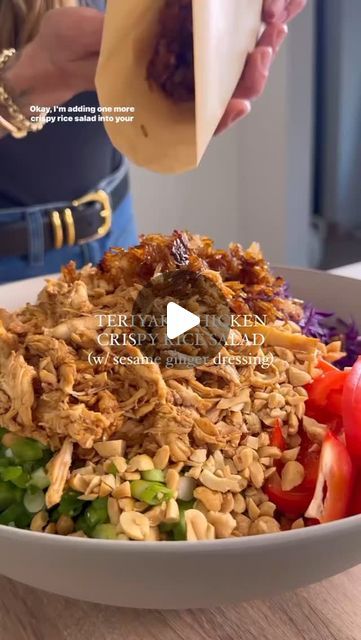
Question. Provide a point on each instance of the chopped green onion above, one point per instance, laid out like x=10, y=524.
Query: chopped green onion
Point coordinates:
x=11, y=473
x=112, y=469
x=54, y=514
x=4, y=461
x=47, y=456
x=70, y=505
x=97, y=512
x=105, y=532
x=166, y=527
x=153, y=475
x=3, y=431
x=34, y=501
x=81, y=524
x=26, y=449
x=16, y=475
x=39, y=478
x=152, y=493
x=180, y=529
x=9, y=494
x=16, y=515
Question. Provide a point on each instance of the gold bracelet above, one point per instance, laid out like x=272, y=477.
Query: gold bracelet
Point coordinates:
x=18, y=126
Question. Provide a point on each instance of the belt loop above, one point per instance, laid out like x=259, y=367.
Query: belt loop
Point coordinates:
x=36, y=243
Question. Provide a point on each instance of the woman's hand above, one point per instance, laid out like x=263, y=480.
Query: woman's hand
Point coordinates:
x=60, y=62
x=276, y=13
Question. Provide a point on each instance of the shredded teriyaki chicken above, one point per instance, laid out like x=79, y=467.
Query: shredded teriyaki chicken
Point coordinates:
x=50, y=391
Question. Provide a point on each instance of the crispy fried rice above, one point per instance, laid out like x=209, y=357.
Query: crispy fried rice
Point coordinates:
x=171, y=67
x=210, y=424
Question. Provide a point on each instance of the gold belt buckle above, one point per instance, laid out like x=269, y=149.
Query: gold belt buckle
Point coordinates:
x=106, y=212
x=65, y=218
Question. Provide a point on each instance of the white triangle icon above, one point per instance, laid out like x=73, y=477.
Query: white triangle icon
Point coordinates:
x=179, y=320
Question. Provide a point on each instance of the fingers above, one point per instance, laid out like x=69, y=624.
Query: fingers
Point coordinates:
x=84, y=24
x=91, y=23
x=256, y=71
x=236, y=110
x=273, y=36
x=273, y=9
x=255, y=74
x=294, y=8
x=282, y=10
x=85, y=73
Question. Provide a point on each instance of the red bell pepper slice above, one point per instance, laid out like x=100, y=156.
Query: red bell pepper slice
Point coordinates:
x=351, y=412
x=295, y=502
x=326, y=366
x=292, y=503
x=333, y=491
x=277, y=438
x=325, y=395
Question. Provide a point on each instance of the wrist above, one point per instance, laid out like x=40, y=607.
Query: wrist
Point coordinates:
x=31, y=79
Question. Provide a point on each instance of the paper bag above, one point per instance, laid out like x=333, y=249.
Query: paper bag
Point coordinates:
x=165, y=136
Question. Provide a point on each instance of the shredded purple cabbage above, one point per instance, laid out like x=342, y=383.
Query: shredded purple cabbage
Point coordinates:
x=317, y=324
x=313, y=323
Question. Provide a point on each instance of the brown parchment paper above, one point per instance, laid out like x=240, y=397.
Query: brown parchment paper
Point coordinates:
x=168, y=137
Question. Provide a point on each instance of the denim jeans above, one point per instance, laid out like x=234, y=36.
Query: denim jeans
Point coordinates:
x=38, y=262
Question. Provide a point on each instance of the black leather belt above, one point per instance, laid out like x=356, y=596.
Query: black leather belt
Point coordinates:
x=85, y=219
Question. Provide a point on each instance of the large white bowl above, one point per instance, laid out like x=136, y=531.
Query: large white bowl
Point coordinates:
x=175, y=575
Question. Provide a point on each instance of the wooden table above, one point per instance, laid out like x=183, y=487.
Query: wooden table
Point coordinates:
x=327, y=611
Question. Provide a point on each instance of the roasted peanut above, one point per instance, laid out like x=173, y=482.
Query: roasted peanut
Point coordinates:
x=293, y=474
x=212, y=500
x=135, y=525
x=264, y=524
x=223, y=523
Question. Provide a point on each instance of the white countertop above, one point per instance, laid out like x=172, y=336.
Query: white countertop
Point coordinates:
x=349, y=270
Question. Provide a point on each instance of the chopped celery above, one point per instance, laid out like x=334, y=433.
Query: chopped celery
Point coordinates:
x=153, y=475
x=39, y=478
x=9, y=494
x=105, y=532
x=34, y=501
x=70, y=505
x=152, y=493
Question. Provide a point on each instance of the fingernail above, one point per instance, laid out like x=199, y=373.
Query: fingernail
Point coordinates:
x=279, y=38
x=264, y=59
x=242, y=112
x=273, y=9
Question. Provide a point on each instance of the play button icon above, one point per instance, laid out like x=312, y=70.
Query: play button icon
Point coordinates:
x=179, y=320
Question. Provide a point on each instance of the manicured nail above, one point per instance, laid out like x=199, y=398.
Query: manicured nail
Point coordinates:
x=264, y=60
x=279, y=37
x=242, y=112
x=273, y=9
